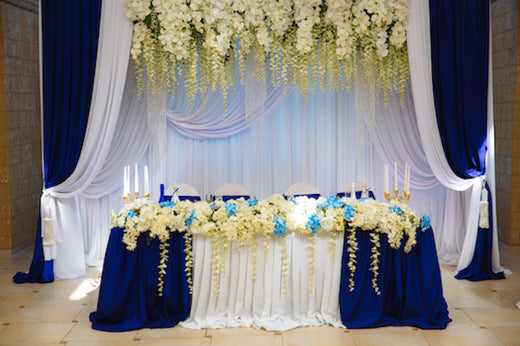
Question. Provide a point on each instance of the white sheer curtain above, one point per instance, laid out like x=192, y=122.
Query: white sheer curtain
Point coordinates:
x=313, y=142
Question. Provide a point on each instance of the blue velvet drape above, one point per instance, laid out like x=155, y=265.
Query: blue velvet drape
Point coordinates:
x=70, y=31
x=459, y=33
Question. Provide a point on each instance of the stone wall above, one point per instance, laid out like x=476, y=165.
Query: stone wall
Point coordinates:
x=20, y=131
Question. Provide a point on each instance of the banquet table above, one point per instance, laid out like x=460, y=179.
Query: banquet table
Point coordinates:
x=254, y=288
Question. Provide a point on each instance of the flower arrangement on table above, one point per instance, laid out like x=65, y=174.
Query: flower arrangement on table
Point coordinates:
x=304, y=41
x=243, y=220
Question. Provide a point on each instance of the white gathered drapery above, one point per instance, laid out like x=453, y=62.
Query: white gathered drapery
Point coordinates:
x=315, y=142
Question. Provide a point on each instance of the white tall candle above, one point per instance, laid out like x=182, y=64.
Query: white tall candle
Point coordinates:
x=405, y=177
x=136, y=179
x=353, y=192
x=125, y=181
x=396, y=187
x=386, y=180
x=409, y=177
x=146, y=182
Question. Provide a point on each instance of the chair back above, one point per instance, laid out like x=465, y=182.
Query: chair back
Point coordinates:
x=231, y=191
x=302, y=189
x=184, y=192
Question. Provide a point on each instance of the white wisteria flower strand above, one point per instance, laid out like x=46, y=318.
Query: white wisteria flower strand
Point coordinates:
x=304, y=41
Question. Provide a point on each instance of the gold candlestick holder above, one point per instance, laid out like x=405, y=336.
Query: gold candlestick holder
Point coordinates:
x=403, y=199
x=147, y=196
x=136, y=194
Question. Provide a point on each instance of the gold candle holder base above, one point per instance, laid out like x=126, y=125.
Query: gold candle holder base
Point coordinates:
x=147, y=196
x=136, y=195
x=403, y=199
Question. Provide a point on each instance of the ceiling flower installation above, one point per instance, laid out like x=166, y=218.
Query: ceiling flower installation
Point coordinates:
x=301, y=42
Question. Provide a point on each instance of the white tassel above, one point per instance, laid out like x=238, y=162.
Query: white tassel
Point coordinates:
x=48, y=235
x=484, y=210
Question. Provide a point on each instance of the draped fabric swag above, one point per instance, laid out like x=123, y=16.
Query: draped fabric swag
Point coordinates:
x=460, y=85
x=69, y=32
x=326, y=141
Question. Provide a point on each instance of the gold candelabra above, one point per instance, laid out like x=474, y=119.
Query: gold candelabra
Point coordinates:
x=403, y=199
x=128, y=199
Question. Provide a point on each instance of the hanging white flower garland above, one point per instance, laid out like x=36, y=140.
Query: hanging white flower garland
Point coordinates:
x=305, y=41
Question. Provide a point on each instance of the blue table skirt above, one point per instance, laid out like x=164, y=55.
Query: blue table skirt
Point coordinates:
x=128, y=296
x=410, y=285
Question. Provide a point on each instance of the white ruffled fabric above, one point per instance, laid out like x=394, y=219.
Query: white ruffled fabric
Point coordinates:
x=263, y=303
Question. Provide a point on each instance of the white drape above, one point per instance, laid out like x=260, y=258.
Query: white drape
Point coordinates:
x=263, y=302
x=95, y=174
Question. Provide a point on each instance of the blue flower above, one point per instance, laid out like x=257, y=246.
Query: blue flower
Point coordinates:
x=396, y=210
x=364, y=198
x=280, y=228
x=313, y=223
x=425, y=222
x=167, y=204
x=131, y=213
x=190, y=219
x=252, y=202
x=213, y=206
x=349, y=212
x=333, y=202
x=231, y=208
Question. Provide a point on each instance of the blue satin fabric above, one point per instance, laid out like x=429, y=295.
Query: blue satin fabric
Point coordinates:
x=480, y=268
x=459, y=33
x=230, y=197
x=70, y=32
x=128, y=297
x=41, y=271
x=410, y=285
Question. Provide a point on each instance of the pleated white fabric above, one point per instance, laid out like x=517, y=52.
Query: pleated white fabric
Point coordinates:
x=252, y=295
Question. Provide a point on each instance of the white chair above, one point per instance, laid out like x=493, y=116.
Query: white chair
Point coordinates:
x=230, y=190
x=184, y=190
x=302, y=189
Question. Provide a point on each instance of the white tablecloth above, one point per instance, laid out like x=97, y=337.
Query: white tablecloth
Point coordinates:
x=263, y=303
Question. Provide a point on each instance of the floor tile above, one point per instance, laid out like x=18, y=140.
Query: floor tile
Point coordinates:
x=457, y=335
x=33, y=313
x=177, y=341
x=334, y=336
x=175, y=332
x=388, y=336
x=476, y=298
x=84, y=332
x=238, y=331
x=511, y=296
x=507, y=335
x=249, y=340
x=34, y=333
x=101, y=343
x=492, y=317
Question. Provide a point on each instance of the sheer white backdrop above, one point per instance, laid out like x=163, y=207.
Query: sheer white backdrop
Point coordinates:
x=324, y=142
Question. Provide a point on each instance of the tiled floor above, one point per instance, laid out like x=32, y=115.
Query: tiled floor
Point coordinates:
x=483, y=313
